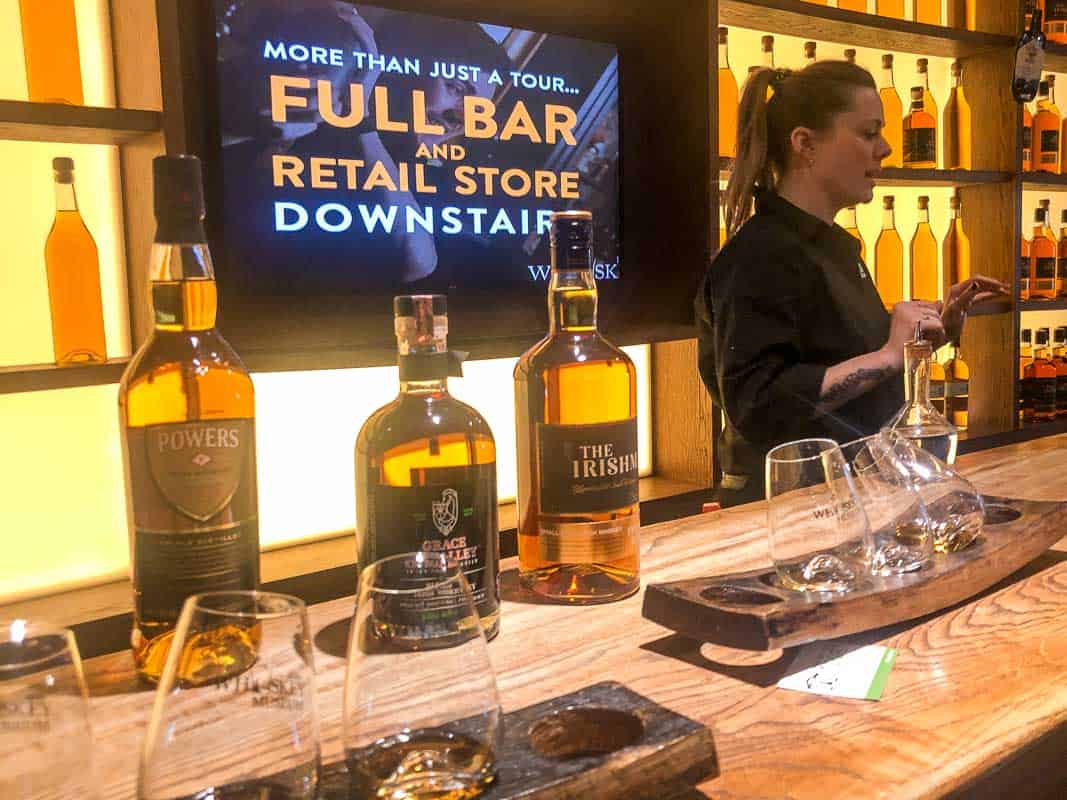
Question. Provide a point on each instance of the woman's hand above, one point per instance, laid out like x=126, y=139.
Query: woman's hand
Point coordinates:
x=906, y=316
x=962, y=296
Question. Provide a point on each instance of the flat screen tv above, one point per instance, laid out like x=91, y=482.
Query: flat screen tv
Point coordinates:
x=355, y=151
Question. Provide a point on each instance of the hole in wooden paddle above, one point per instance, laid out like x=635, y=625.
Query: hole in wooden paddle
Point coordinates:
x=739, y=596
x=998, y=514
x=576, y=732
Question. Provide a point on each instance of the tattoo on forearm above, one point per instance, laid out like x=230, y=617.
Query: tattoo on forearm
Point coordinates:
x=851, y=385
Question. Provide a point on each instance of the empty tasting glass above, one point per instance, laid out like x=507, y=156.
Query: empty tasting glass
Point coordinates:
x=901, y=533
x=421, y=711
x=45, y=740
x=234, y=715
x=819, y=536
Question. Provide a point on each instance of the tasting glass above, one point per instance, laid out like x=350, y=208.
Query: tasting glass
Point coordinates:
x=901, y=532
x=421, y=711
x=45, y=739
x=819, y=537
x=234, y=714
x=956, y=509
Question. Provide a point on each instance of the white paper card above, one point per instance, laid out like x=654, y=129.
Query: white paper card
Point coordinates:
x=831, y=669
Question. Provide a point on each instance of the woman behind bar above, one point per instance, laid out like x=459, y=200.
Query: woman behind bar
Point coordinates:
x=793, y=338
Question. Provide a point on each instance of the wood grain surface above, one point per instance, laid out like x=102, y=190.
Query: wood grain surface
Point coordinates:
x=976, y=705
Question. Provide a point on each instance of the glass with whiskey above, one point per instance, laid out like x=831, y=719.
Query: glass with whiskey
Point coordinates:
x=576, y=440
x=426, y=463
x=421, y=712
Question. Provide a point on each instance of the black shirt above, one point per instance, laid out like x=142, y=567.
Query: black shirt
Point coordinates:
x=786, y=298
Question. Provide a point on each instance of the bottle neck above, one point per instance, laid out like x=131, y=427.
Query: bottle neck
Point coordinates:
x=433, y=386
x=953, y=214
x=916, y=375
x=65, y=197
x=924, y=216
x=924, y=81
x=724, y=56
x=850, y=218
x=768, y=58
x=887, y=77
x=887, y=219
x=184, y=295
x=956, y=81
x=572, y=301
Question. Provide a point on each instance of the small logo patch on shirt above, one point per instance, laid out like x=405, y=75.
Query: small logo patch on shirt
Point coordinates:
x=863, y=271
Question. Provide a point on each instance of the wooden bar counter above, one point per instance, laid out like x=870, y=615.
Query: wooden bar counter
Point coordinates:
x=976, y=705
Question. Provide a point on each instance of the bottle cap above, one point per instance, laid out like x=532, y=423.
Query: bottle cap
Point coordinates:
x=178, y=188
x=1027, y=335
x=924, y=202
x=64, y=169
x=887, y=202
x=723, y=31
x=887, y=61
x=767, y=42
x=809, y=49
x=956, y=68
x=421, y=323
x=916, y=93
x=920, y=64
x=954, y=201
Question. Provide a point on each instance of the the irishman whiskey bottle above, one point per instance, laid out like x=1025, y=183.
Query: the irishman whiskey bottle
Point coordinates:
x=576, y=424
x=187, y=419
x=426, y=463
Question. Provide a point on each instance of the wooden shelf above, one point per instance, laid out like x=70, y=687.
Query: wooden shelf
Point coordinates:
x=899, y=176
x=41, y=377
x=822, y=23
x=55, y=122
x=1043, y=180
x=1060, y=304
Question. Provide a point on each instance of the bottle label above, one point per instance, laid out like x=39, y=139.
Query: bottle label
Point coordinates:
x=588, y=542
x=452, y=511
x=1044, y=268
x=1029, y=60
x=587, y=468
x=1028, y=136
x=196, y=529
x=1061, y=392
x=1050, y=147
x=920, y=145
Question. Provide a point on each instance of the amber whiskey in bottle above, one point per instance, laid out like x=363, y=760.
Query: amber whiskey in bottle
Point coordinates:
x=187, y=425
x=889, y=258
x=73, y=269
x=957, y=143
x=50, y=47
x=848, y=222
x=1047, y=127
x=727, y=101
x=1026, y=358
x=922, y=78
x=1059, y=358
x=925, y=283
x=920, y=134
x=426, y=463
x=937, y=385
x=928, y=11
x=955, y=249
x=1024, y=269
x=893, y=113
x=853, y=5
x=957, y=388
x=1039, y=381
x=890, y=8
x=576, y=440
x=1043, y=251
x=1061, y=257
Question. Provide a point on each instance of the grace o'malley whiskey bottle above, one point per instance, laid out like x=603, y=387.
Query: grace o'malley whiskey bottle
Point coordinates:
x=576, y=425
x=72, y=265
x=426, y=464
x=187, y=422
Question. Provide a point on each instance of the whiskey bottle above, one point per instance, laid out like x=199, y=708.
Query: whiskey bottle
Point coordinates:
x=50, y=48
x=848, y=222
x=1059, y=358
x=1026, y=358
x=925, y=284
x=1039, y=381
x=1029, y=59
x=426, y=463
x=187, y=425
x=1056, y=21
x=962, y=15
x=1043, y=250
x=889, y=258
x=1024, y=269
x=890, y=8
x=928, y=11
x=893, y=113
x=937, y=386
x=920, y=135
x=922, y=78
x=955, y=249
x=853, y=5
x=1061, y=257
x=957, y=388
x=767, y=49
x=727, y=102
x=809, y=53
x=1047, y=124
x=576, y=440
x=957, y=145
x=1028, y=138
x=850, y=52
x=73, y=269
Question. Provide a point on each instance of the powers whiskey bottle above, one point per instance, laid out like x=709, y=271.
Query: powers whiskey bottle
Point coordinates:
x=426, y=463
x=576, y=425
x=187, y=420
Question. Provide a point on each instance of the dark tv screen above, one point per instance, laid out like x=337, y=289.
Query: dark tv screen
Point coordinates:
x=367, y=151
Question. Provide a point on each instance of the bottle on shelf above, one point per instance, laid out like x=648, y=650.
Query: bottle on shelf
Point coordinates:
x=50, y=48
x=955, y=248
x=1043, y=250
x=809, y=53
x=1055, y=26
x=853, y=5
x=937, y=385
x=576, y=440
x=889, y=258
x=1024, y=269
x=1047, y=124
x=920, y=135
x=728, y=100
x=962, y=15
x=957, y=388
x=1029, y=59
x=927, y=11
x=922, y=78
x=1039, y=381
x=426, y=463
x=850, y=52
x=889, y=8
x=925, y=283
x=187, y=426
x=957, y=144
x=72, y=266
x=1059, y=358
x=1028, y=138
x=893, y=113
x=767, y=51
x=1061, y=257
x=1026, y=358
x=848, y=222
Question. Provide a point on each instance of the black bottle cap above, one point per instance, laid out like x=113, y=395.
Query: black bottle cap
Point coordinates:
x=64, y=169
x=178, y=187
